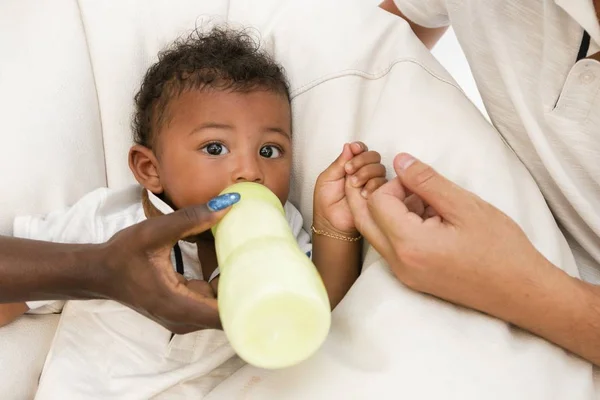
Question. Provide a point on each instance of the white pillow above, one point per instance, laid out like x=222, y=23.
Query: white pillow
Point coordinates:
x=52, y=150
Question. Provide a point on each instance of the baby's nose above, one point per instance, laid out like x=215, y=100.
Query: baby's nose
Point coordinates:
x=249, y=171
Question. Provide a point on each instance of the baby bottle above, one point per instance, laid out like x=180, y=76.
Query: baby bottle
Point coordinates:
x=272, y=301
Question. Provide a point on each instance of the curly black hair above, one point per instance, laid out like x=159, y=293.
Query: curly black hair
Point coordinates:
x=221, y=58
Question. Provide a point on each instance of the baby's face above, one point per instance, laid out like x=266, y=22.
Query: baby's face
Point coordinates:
x=214, y=139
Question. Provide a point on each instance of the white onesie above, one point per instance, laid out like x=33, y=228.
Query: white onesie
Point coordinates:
x=104, y=350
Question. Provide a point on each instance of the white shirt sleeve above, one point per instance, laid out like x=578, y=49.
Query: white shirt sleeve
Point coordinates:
x=76, y=224
x=427, y=13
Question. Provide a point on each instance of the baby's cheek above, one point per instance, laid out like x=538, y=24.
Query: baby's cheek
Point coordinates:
x=195, y=189
x=282, y=189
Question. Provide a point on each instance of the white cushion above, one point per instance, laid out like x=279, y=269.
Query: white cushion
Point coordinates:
x=52, y=151
x=23, y=349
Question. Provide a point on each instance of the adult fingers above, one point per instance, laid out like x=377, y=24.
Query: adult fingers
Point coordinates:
x=450, y=201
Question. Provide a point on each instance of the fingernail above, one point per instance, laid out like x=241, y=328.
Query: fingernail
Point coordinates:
x=405, y=161
x=354, y=180
x=223, y=201
x=348, y=168
x=361, y=145
x=364, y=194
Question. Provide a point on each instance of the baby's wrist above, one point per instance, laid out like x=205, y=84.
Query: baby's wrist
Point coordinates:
x=323, y=227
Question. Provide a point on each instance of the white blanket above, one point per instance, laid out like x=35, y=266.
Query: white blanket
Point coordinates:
x=390, y=343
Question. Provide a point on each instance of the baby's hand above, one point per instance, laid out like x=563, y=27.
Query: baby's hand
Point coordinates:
x=365, y=172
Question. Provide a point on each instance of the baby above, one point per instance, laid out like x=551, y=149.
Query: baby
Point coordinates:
x=214, y=110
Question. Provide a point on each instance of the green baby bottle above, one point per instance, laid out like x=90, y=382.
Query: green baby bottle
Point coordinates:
x=272, y=301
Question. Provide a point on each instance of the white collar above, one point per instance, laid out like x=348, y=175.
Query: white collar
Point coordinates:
x=159, y=204
x=583, y=12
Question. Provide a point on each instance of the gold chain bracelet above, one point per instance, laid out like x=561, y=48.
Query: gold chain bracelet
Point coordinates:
x=335, y=236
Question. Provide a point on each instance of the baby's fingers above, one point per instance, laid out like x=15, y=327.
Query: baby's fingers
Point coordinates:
x=361, y=160
x=358, y=147
x=336, y=170
x=367, y=173
x=372, y=185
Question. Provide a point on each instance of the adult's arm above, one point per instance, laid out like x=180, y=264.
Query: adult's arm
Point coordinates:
x=133, y=268
x=474, y=255
x=429, y=36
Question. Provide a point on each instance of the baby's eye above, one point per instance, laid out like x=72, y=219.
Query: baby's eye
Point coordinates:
x=215, y=149
x=270, y=151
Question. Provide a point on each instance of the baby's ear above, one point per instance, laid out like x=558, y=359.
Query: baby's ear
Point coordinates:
x=144, y=165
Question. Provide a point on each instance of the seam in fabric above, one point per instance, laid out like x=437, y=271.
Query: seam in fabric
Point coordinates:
x=371, y=76
x=87, y=47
